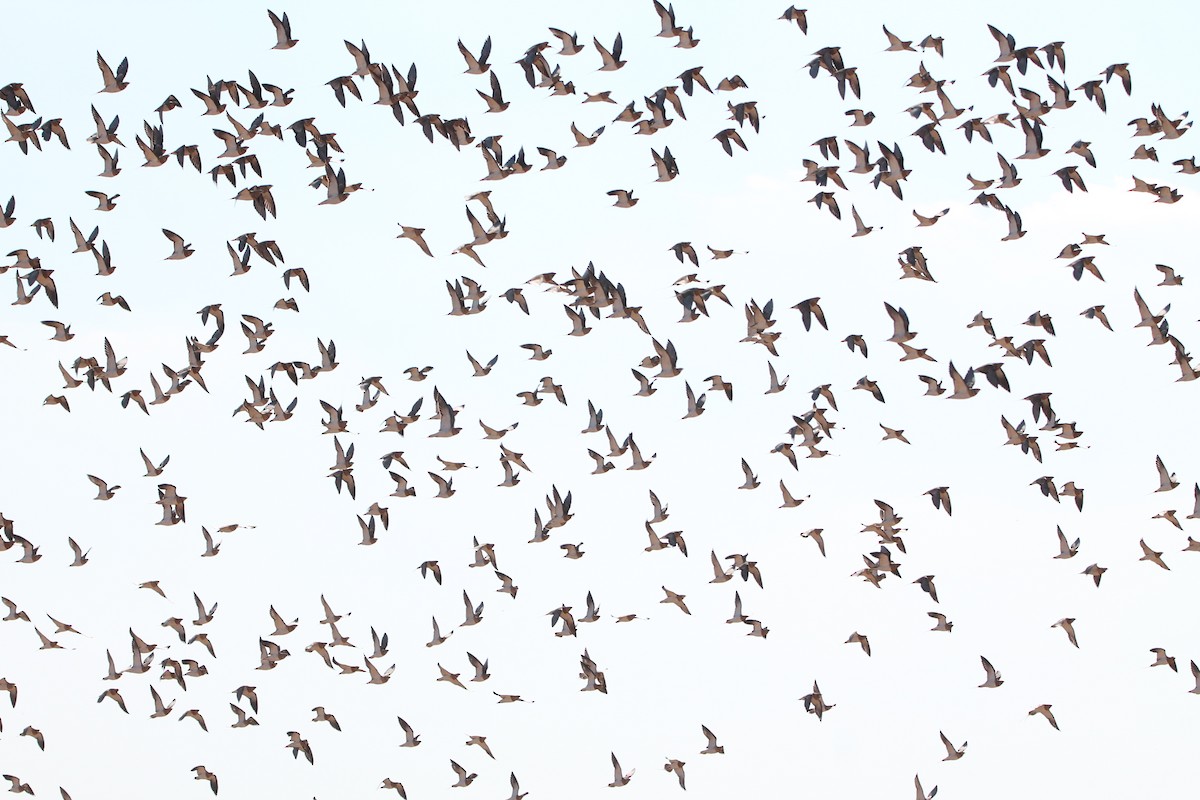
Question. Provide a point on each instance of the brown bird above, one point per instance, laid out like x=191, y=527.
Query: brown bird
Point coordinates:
x=463, y=778
x=8, y=686
x=323, y=716
x=814, y=702
x=388, y=783
x=481, y=742
x=111, y=694
x=194, y=714
x=36, y=735
x=47, y=644
x=1067, y=624
x=113, y=82
x=620, y=778
x=611, y=58
x=17, y=786
x=13, y=613
x=952, y=753
x=675, y=599
x=1044, y=710
x=993, y=678
x=676, y=766
x=298, y=746
x=625, y=199
x=858, y=638
x=1161, y=659
x=283, y=41
x=243, y=720
x=410, y=739
x=105, y=492
x=1148, y=555
x=202, y=774
x=450, y=677
x=81, y=557
x=728, y=138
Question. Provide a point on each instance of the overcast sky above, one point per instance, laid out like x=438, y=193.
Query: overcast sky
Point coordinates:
x=1126, y=729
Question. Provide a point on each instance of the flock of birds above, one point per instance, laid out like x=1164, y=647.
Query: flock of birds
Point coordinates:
x=589, y=298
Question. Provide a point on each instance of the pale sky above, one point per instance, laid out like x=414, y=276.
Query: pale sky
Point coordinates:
x=1126, y=729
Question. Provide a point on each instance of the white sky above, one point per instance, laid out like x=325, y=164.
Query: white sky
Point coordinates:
x=1126, y=729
